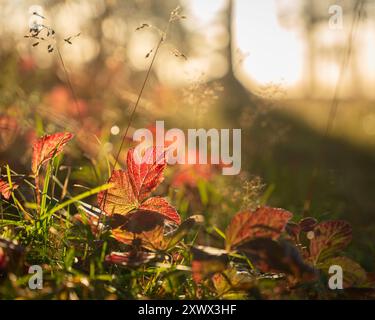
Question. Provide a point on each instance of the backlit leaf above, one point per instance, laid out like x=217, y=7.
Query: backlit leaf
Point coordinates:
x=119, y=199
x=47, y=147
x=151, y=240
x=265, y=222
x=5, y=189
x=161, y=206
x=145, y=171
x=154, y=239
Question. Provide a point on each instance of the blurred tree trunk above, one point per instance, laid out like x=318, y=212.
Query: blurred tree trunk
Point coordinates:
x=235, y=96
x=311, y=47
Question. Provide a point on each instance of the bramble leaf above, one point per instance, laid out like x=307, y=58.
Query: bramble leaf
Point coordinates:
x=5, y=189
x=329, y=237
x=151, y=240
x=46, y=147
x=145, y=172
x=154, y=239
x=265, y=222
x=119, y=199
x=131, y=189
x=161, y=206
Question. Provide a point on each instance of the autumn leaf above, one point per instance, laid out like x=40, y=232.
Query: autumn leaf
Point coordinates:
x=120, y=198
x=272, y=256
x=265, y=222
x=161, y=206
x=131, y=188
x=151, y=240
x=145, y=172
x=329, y=238
x=308, y=224
x=155, y=238
x=5, y=189
x=48, y=146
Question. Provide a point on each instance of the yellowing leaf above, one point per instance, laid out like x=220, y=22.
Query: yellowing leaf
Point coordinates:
x=120, y=198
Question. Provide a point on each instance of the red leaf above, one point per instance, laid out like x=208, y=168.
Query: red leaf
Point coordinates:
x=130, y=189
x=119, y=199
x=161, y=206
x=263, y=223
x=5, y=189
x=47, y=147
x=3, y=259
x=329, y=238
x=145, y=172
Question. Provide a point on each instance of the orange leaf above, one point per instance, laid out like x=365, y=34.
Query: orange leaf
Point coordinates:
x=131, y=188
x=119, y=199
x=47, y=147
x=151, y=240
x=265, y=222
x=145, y=172
x=161, y=206
x=5, y=189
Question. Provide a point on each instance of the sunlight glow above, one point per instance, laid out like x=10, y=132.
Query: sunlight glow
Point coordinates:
x=275, y=54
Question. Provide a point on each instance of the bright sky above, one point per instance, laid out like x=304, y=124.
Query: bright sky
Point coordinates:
x=272, y=53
